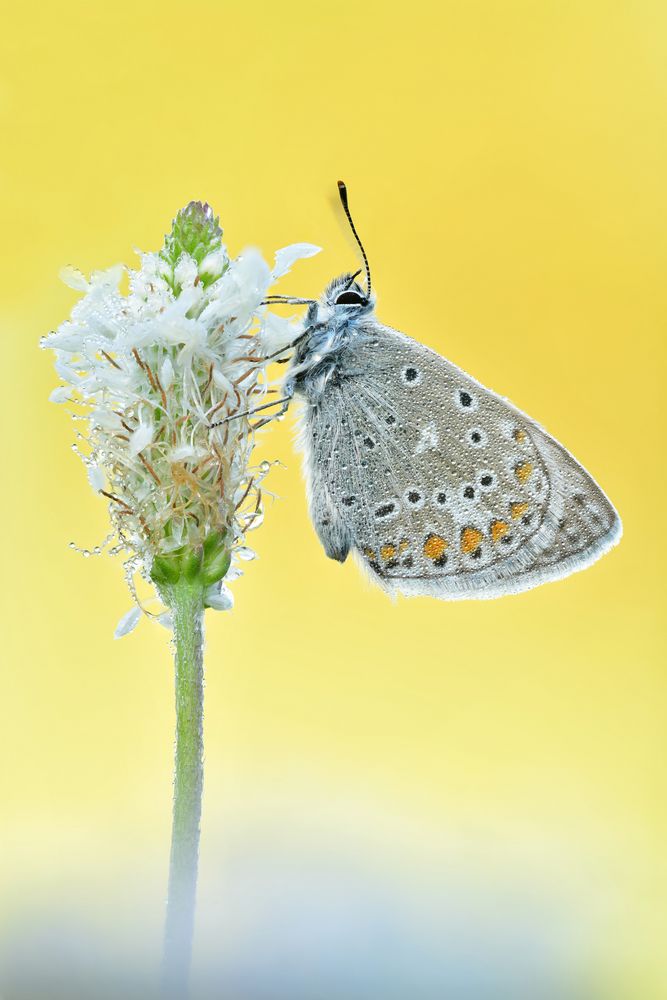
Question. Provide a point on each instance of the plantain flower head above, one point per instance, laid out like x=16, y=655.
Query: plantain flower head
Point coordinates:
x=162, y=378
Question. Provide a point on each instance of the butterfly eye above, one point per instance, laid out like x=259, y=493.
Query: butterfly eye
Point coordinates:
x=351, y=299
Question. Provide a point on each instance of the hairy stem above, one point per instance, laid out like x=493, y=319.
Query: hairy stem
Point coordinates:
x=186, y=600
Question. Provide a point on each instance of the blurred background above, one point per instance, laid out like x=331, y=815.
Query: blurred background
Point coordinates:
x=417, y=799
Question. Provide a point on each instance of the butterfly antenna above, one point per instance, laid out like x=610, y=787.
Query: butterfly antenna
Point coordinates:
x=342, y=191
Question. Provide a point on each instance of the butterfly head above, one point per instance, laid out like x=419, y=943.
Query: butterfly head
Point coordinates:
x=345, y=291
x=343, y=301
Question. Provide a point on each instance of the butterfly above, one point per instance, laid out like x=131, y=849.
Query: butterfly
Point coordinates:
x=436, y=484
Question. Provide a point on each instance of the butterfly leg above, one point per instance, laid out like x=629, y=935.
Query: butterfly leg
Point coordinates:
x=283, y=403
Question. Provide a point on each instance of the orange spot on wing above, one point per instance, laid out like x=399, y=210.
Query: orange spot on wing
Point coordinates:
x=388, y=551
x=434, y=546
x=519, y=436
x=471, y=539
x=403, y=545
x=524, y=471
x=498, y=529
x=518, y=510
x=369, y=553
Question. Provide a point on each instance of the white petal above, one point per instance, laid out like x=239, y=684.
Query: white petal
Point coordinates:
x=67, y=373
x=90, y=385
x=254, y=520
x=288, y=255
x=74, y=278
x=177, y=529
x=214, y=263
x=166, y=374
x=278, y=332
x=127, y=623
x=107, y=419
x=221, y=601
x=251, y=276
x=175, y=329
x=60, y=395
x=184, y=451
x=185, y=271
x=245, y=553
x=67, y=337
x=240, y=290
x=96, y=477
x=221, y=380
x=169, y=544
x=109, y=278
x=140, y=438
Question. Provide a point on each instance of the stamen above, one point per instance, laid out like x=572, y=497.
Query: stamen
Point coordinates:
x=249, y=487
x=112, y=496
x=149, y=468
x=111, y=360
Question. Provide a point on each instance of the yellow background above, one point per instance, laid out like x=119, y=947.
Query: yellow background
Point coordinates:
x=507, y=167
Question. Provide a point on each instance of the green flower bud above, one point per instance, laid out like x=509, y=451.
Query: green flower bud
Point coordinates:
x=166, y=569
x=195, y=231
x=216, y=568
x=213, y=543
x=191, y=563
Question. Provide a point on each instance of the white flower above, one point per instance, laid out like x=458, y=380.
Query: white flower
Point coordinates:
x=158, y=373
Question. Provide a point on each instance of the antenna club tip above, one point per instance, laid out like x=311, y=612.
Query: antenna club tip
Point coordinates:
x=342, y=194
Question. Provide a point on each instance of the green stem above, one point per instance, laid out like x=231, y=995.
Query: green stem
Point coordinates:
x=186, y=601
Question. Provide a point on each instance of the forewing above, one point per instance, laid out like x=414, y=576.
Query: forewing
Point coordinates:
x=440, y=486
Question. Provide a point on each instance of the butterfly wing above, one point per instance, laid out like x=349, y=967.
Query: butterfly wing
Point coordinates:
x=440, y=486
